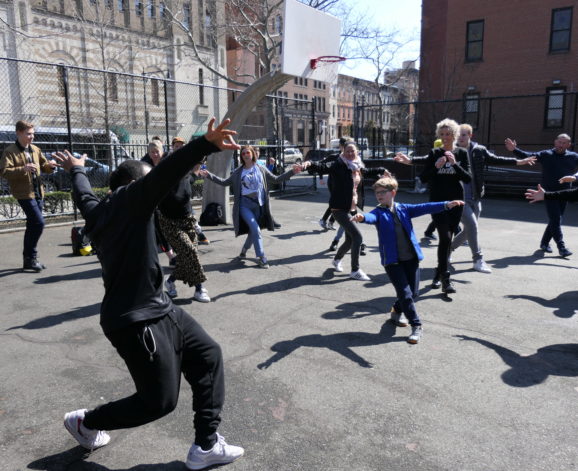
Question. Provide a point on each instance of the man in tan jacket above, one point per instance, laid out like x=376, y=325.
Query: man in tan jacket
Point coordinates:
x=21, y=165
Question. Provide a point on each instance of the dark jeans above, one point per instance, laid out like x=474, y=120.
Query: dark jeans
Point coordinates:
x=180, y=345
x=34, y=225
x=404, y=277
x=353, y=238
x=555, y=210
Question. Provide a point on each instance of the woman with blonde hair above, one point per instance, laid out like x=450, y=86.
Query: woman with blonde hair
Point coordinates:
x=446, y=167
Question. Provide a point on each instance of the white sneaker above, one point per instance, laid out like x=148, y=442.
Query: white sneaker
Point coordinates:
x=221, y=453
x=202, y=296
x=480, y=265
x=87, y=438
x=359, y=275
x=171, y=288
x=337, y=266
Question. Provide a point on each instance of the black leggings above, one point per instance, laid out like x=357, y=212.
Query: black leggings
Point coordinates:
x=156, y=353
x=446, y=224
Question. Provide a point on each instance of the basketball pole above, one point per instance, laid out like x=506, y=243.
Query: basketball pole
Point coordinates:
x=220, y=163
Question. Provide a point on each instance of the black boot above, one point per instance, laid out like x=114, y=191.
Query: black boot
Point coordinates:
x=333, y=245
x=436, y=282
x=447, y=286
x=31, y=263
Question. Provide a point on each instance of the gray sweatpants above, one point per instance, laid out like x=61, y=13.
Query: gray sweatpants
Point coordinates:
x=470, y=216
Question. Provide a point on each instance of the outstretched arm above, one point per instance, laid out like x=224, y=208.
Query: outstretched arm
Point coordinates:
x=83, y=195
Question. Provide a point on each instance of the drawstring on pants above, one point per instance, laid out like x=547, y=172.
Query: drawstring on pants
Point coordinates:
x=151, y=351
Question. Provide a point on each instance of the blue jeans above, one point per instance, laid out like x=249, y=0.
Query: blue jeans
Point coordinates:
x=404, y=277
x=34, y=225
x=250, y=211
x=555, y=210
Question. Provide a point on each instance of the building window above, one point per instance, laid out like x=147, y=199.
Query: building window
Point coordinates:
x=472, y=109
x=120, y=5
x=112, y=87
x=151, y=8
x=155, y=92
x=475, y=40
x=187, y=18
x=201, y=88
x=162, y=10
x=278, y=24
x=561, y=29
x=138, y=7
x=555, y=99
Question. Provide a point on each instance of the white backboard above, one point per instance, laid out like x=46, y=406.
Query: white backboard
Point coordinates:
x=307, y=34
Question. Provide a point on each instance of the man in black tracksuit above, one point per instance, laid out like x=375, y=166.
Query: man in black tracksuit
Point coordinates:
x=157, y=340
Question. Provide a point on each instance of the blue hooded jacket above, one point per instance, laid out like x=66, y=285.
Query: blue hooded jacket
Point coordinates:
x=383, y=219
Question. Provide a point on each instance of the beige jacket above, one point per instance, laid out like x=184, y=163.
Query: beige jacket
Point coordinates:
x=12, y=169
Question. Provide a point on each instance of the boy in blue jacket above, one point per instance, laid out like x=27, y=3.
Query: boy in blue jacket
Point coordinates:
x=399, y=249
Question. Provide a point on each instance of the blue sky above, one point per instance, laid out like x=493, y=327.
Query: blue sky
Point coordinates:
x=401, y=15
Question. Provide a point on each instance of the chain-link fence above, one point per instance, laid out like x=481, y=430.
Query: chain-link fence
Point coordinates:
x=112, y=116
x=533, y=121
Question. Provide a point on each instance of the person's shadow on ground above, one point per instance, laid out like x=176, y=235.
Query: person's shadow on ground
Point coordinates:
x=341, y=343
x=327, y=278
x=378, y=306
x=564, y=304
x=56, y=319
x=526, y=371
x=537, y=258
x=291, y=235
x=10, y=271
x=73, y=459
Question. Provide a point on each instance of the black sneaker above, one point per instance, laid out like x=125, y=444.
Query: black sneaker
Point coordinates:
x=362, y=249
x=564, y=252
x=447, y=286
x=333, y=245
x=436, y=282
x=430, y=235
x=546, y=248
x=33, y=264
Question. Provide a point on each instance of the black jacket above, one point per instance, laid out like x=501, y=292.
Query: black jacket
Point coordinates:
x=480, y=157
x=341, y=183
x=121, y=227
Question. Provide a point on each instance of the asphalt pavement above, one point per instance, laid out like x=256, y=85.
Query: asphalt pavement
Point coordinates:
x=317, y=379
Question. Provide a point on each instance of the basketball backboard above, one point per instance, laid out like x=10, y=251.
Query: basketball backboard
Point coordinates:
x=308, y=34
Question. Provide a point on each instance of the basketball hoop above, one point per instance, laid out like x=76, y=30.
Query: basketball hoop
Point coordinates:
x=325, y=59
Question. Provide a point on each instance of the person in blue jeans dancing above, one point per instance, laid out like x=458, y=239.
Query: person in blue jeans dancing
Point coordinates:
x=251, y=208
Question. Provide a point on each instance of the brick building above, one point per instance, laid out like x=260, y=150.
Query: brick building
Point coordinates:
x=472, y=51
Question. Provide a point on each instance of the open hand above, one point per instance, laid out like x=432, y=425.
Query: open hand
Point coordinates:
x=402, y=158
x=535, y=195
x=510, y=144
x=221, y=136
x=567, y=179
x=454, y=203
x=66, y=160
